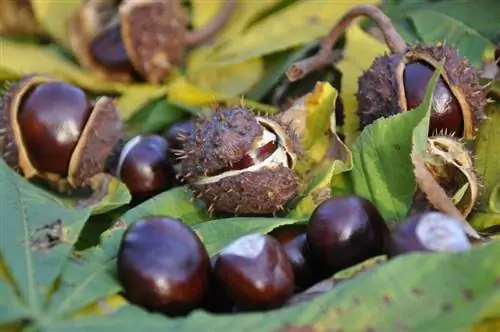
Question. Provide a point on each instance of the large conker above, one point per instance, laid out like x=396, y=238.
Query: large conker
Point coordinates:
x=396, y=83
x=145, y=167
x=240, y=163
x=119, y=39
x=254, y=271
x=50, y=129
x=163, y=266
x=429, y=231
x=345, y=231
x=51, y=118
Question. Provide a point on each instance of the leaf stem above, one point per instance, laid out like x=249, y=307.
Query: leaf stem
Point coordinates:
x=324, y=56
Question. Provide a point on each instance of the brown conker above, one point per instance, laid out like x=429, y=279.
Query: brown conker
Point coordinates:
x=145, y=167
x=345, y=231
x=51, y=119
x=428, y=232
x=255, y=273
x=51, y=130
x=163, y=266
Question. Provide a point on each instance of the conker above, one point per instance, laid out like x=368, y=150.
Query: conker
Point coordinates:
x=396, y=83
x=287, y=233
x=297, y=251
x=429, y=231
x=255, y=273
x=345, y=231
x=52, y=130
x=145, y=167
x=51, y=119
x=121, y=39
x=163, y=266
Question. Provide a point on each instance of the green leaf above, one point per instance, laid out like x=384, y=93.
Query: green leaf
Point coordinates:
x=487, y=152
x=28, y=214
x=449, y=30
x=155, y=117
x=86, y=279
x=383, y=171
x=392, y=297
x=216, y=234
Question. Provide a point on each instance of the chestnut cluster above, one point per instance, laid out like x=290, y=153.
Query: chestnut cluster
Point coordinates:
x=52, y=130
x=163, y=266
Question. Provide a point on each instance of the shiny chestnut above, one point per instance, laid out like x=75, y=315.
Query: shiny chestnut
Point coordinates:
x=145, y=167
x=343, y=232
x=428, y=232
x=163, y=266
x=255, y=273
x=51, y=118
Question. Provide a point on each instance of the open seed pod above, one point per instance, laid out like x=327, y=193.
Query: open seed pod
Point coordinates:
x=451, y=165
x=95, y=38
x=397, y=82
x=17, y=18
x=145, y=37
x=240, y=163
x=52, y=131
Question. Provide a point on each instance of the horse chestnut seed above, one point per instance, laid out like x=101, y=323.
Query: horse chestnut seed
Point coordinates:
x=430, y=231
x=163, y=266
x=51, y=117
x=343, y=232
x=145, y=167
x=254, y=271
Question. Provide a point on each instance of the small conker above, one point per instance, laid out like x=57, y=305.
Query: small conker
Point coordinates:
x=240, y=163
x=51, y=130
x=254, y=271
x=145, y=167
x=287, y=233
x=119, y=39
x=345, y=231
x=396, y=83
x=297, y=251
x=429, y=231
x=163, y=266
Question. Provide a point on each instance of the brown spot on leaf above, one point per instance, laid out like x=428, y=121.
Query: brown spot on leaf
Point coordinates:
x=401, y=326
x=338, y=330
x=339, y=311
x=446, y=307
x=468, y=294
x=387, y=299
x=47, y=236
x=417, y=291
x=370, y=329
x=119, y=224
x=356, y=301
x=497, y=282
x=313, y=19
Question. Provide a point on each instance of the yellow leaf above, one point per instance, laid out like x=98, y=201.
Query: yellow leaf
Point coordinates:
x=310, y=116
x=359, y=53
x=297, y=24
x=183, y=92
x=23, y=59
x=53, y=16
x=134, y=98
x=233, y=80
x=488, y=325
x=203, y=11
x=103, y=307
